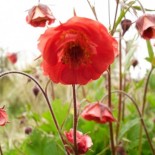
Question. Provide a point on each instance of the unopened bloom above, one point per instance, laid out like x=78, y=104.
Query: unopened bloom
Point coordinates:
x=146, y=26
x=3, y=117
x=39, y=15
x=98, y=112
x=35, y=90
x=12, y=57
x=125, y=24
x=77, y=51
x=84, y=142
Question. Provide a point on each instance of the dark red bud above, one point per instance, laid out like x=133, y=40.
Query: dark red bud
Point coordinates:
x=134, y=63
x=35, y=91
x=28, y=130
x=120, y=150
x=126, y=23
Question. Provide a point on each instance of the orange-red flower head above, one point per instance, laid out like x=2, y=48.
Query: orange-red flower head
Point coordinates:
x=39, y=15
x=146, y=26
x=98, y=112
x=84, y=142
x=77, y=51
x=12, y=57
x=3, y=117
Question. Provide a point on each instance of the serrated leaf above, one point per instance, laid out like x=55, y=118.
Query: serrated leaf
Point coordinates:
x=40, y=144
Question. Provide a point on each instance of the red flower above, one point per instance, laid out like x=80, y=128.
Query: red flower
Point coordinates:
x=3, y=117
x=12, y=57
x=77, y=51
x=98, y=112
x=39, y=15
x=84, y=142
x=146, y=26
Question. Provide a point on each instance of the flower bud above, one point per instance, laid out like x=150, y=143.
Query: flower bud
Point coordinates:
x=125, y=24
x=28, y=130
x=3, y=117
x=134, y=63
x=39, y=15
x=12, y=57
x=35, y=91
x=146, y=26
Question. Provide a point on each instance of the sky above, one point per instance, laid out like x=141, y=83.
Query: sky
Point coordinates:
x=17, y=36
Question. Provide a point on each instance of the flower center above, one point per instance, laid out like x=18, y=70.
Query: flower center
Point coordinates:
x=75, y=55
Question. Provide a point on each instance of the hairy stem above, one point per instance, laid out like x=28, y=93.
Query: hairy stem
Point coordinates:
x=109, y=19
x=75, y=120
x=93, y=10
x=145, y=90
x=120, y=88
x=113, y=29
x=143, y=108
x=109, y=104
x=45, y=96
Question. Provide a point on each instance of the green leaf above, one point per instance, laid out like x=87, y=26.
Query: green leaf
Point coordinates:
x=127, y=127
x=40, y=144
x=139, y=8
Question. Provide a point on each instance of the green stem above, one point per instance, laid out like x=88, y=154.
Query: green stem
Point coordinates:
x=93, y=10
x=109, y=19
x=46, y=98
x=143, y=108
x=113, y=29
x=145, y=91
x=120, y=88
x=110, y=105
x=143, y=10
x=75, y=120
x=140, y=116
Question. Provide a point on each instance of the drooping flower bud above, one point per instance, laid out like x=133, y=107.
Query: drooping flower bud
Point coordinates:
x=146, y=26
x=28, y=130
x=134, y=62
x=98, y=112
x=125, y=24
x=39, y=15
x=35, y=90
x=12, y=57
x=3, y=117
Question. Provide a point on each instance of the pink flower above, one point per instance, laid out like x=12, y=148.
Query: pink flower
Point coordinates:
x=98, y=112
x=84, y=142
x=3, y=117
x=146, y=26
x=39, y=15
x=12, y=57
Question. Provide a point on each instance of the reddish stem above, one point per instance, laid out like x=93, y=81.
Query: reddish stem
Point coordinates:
x=75, y=120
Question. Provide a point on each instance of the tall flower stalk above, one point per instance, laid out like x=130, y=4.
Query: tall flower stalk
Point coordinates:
x=120, y=88
x=143, y=107
x=110, y=105
x=75, y=119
